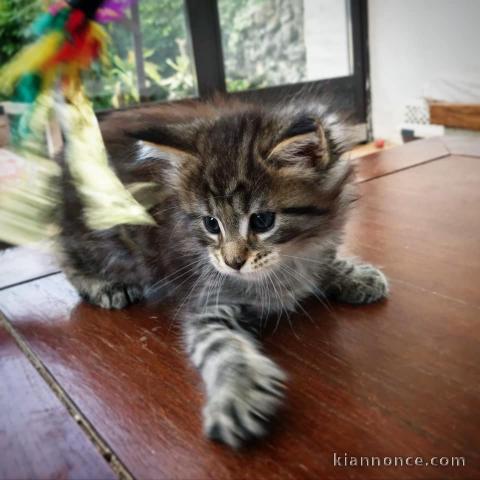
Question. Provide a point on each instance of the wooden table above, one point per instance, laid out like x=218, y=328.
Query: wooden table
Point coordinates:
x=93, y=394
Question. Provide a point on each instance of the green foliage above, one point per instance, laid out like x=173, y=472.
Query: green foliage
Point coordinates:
x=167, y=63
x=163, y=25
x=235, y=18
x=118, y=81
x=181, y=83
x=15, y=19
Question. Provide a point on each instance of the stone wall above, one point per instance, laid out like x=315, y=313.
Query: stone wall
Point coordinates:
x=263, y=44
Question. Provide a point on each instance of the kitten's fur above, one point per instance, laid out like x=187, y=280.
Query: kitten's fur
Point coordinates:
x=226, y=160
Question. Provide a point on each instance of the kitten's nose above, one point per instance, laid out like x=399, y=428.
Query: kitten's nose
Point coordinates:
x=235, y=253
x=236, y=263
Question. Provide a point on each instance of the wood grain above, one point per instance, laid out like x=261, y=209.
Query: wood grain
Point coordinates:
x=399, y=158
x=400, y=378
x=422, y=225
x=457, y=115
x=38, y=438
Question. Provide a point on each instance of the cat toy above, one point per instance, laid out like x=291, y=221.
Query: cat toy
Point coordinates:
x=47, y=74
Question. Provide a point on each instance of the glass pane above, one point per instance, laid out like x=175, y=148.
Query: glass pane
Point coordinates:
x=278, y=42
x=149, y=58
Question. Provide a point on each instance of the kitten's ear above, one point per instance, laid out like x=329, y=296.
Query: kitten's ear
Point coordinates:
x=177, y=137
x=302, y=145
x=163, y=149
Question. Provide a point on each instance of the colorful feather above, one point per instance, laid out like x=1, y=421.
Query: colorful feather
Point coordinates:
x=106, y=202
x=68, y=42
x=31, y=60
x=113, y=10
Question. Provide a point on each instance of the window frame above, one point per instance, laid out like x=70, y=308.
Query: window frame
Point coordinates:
x=351, y=93
x=203, y=24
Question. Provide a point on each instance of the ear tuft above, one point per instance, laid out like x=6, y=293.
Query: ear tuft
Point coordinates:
x=163, y=161
x=301, y=125
x=303, y=145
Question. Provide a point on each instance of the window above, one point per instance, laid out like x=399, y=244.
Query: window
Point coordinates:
x=174, y=49
x=279, y=42
x=149, y=57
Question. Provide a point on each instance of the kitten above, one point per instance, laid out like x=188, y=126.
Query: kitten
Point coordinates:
x=250, y=202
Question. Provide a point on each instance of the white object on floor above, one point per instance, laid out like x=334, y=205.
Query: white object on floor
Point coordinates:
x=423, y=131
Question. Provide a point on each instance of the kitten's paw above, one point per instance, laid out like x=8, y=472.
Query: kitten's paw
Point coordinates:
x=111, y=296
x=241, y=408
x=361, y=284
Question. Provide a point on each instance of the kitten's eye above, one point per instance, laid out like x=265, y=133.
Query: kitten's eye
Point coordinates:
x=211, y=224
x=262, y=222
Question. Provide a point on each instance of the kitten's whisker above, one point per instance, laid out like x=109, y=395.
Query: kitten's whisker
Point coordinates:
x=259, y=293
x=268, y=296
x=168, y=279
x=192, y=273
x=288, y=316
x=314, y=289
x=303, y=277
x=297, y=302
x=208, y=289
x=213, y=289
x=218, y=286
x=189, y=294
x=171, y=282
x=279, y=299
x=308, y=259
x=173, y=274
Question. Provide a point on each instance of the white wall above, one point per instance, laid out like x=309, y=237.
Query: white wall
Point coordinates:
x=413, y=42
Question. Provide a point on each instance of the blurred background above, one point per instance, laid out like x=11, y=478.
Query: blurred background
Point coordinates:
x=403, y=69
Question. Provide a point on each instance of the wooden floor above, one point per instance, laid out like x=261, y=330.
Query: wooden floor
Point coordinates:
x=92, y=394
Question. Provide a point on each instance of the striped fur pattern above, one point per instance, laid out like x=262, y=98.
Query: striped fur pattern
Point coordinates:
x=250, y=203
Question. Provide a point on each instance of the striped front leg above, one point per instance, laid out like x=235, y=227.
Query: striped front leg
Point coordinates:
x=244, y=388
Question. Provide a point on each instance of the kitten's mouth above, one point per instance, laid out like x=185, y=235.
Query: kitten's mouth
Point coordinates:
x=255, y=275
x=250, y=272
x=245, y=274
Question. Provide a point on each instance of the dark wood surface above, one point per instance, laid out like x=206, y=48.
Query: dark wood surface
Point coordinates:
x=423, y=226
x=38, y=437
x=399, y=378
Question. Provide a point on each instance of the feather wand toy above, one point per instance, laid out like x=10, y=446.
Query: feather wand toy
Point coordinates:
x=47, y=74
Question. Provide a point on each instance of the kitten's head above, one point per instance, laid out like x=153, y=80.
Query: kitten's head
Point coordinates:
x=256, y=186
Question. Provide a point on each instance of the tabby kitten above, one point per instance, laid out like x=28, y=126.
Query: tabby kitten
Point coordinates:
x=249, y=203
